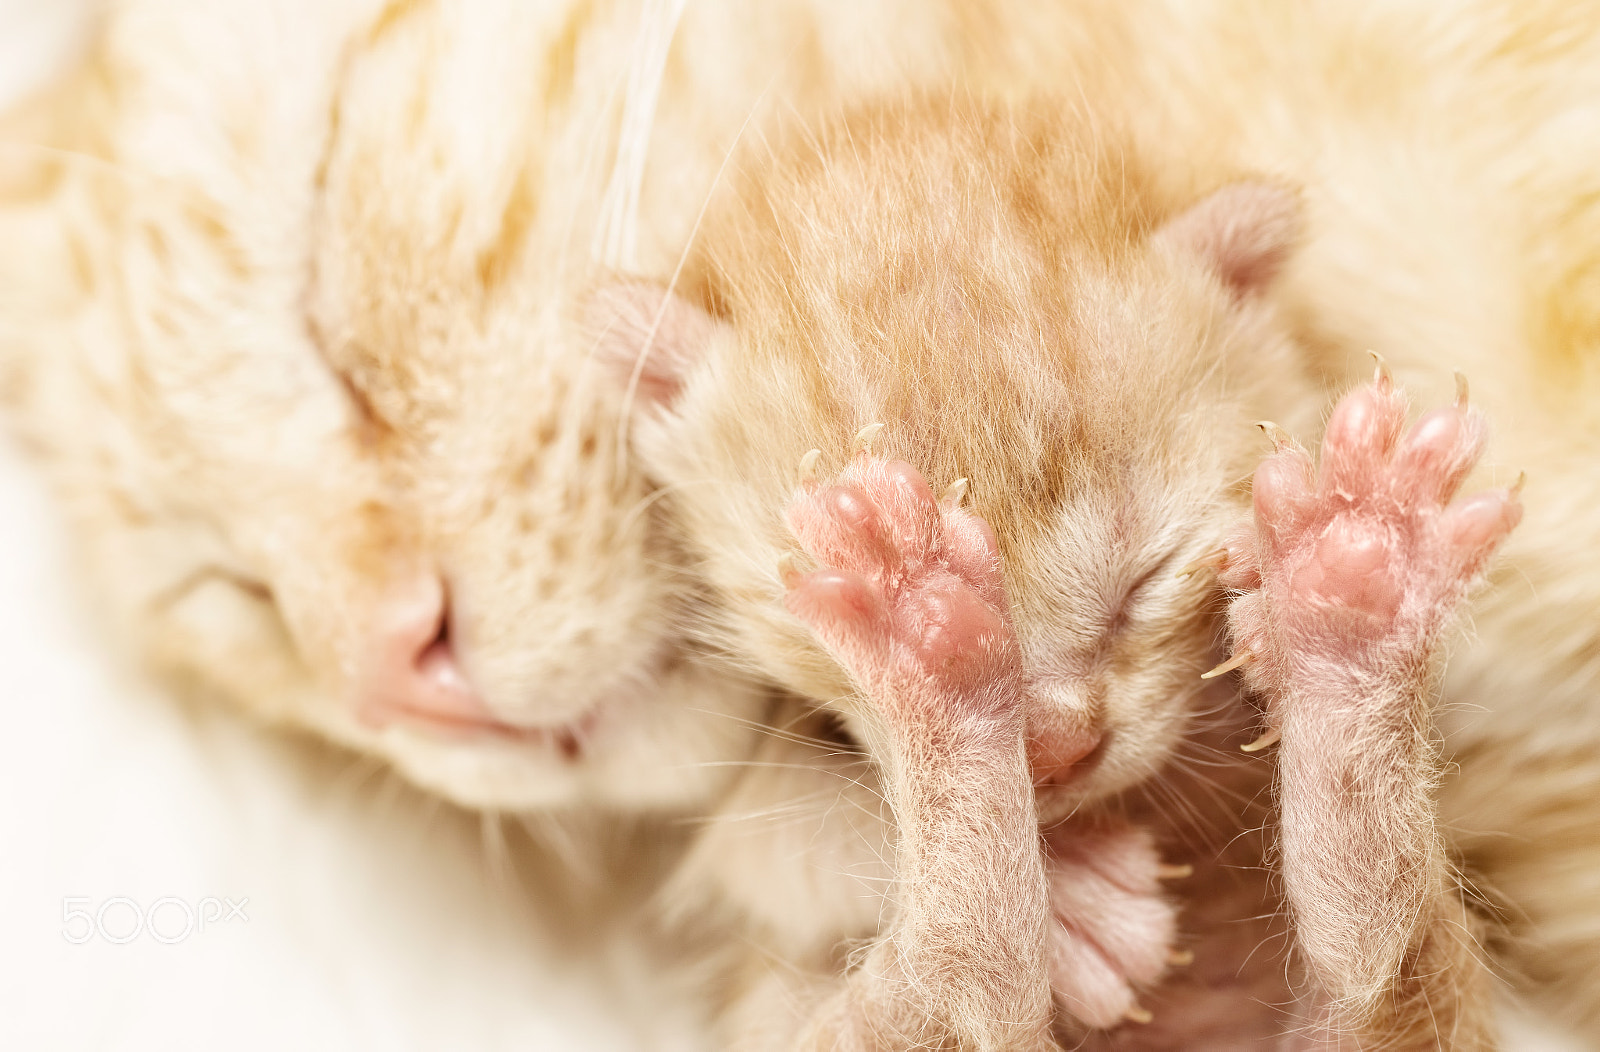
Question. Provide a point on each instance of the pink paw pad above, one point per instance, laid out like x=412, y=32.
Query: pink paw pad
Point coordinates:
x=908, y=595
x=1366, y=548
x=1112, y=928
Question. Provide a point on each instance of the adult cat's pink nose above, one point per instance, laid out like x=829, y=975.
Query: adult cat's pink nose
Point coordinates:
x=409, y=670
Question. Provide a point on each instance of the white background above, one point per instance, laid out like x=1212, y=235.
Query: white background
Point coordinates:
x=376, y=919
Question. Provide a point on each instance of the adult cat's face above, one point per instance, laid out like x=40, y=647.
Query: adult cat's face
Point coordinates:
x=299, y=356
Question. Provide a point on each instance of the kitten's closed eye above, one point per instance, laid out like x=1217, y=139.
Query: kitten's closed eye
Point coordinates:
x=1126, y=604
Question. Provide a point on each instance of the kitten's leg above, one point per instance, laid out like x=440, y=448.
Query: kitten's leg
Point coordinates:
x=1362, y=566
x=1111, y=925
x=909, y=599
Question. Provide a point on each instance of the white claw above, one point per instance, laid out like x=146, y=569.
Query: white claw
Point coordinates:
x=1243, y=657
x=1281, y=439
x=1382, y=376
x=1171, y=872
x=1180, y=958
x=808, y=467
x=1516, y=487
x=788, y=572
x=1461, y=390
x=1135, y=1014
x=1262, y=742
x=954, y=493
x=866, y=436
x=1210, y=561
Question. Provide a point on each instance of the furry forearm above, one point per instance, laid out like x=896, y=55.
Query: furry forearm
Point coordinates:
x=1377, y=909
x=963, y=964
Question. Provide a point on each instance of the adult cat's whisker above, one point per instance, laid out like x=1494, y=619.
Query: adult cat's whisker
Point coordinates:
x=794, y=809
x=496, y=853
x=625, y=421
x=636, y=512
x=81, y=157
x=781, y=733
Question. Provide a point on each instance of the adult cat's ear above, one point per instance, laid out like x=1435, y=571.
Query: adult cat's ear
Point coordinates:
x=649, y=338
x=1244, y=232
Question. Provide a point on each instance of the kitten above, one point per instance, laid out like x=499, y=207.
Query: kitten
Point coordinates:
x=1028, y=308
x=1450, y=219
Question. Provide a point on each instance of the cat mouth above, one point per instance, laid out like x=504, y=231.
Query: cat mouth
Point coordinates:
x=457, y=714
x=568, y=739
x=439, y=700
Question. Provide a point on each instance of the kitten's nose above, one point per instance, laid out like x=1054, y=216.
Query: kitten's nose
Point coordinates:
x=410, y=669
x=1061, y=743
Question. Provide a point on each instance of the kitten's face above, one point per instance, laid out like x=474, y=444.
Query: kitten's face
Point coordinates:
x=324, y=425
x=1095, y=383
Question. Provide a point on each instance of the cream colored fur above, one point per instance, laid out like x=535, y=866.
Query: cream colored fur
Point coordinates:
x=1451, y=184
x=283, y=310
x=1005, y=289
x=288, y=315
x=286, y=301
x=1446, y=229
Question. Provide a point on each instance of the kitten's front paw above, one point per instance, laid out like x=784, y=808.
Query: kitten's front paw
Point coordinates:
x=908, y=595
x=1111, y=928
x=1363, y=559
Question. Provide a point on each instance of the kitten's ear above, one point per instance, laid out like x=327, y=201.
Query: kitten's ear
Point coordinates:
x=641, y=330
x=1244, y=232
